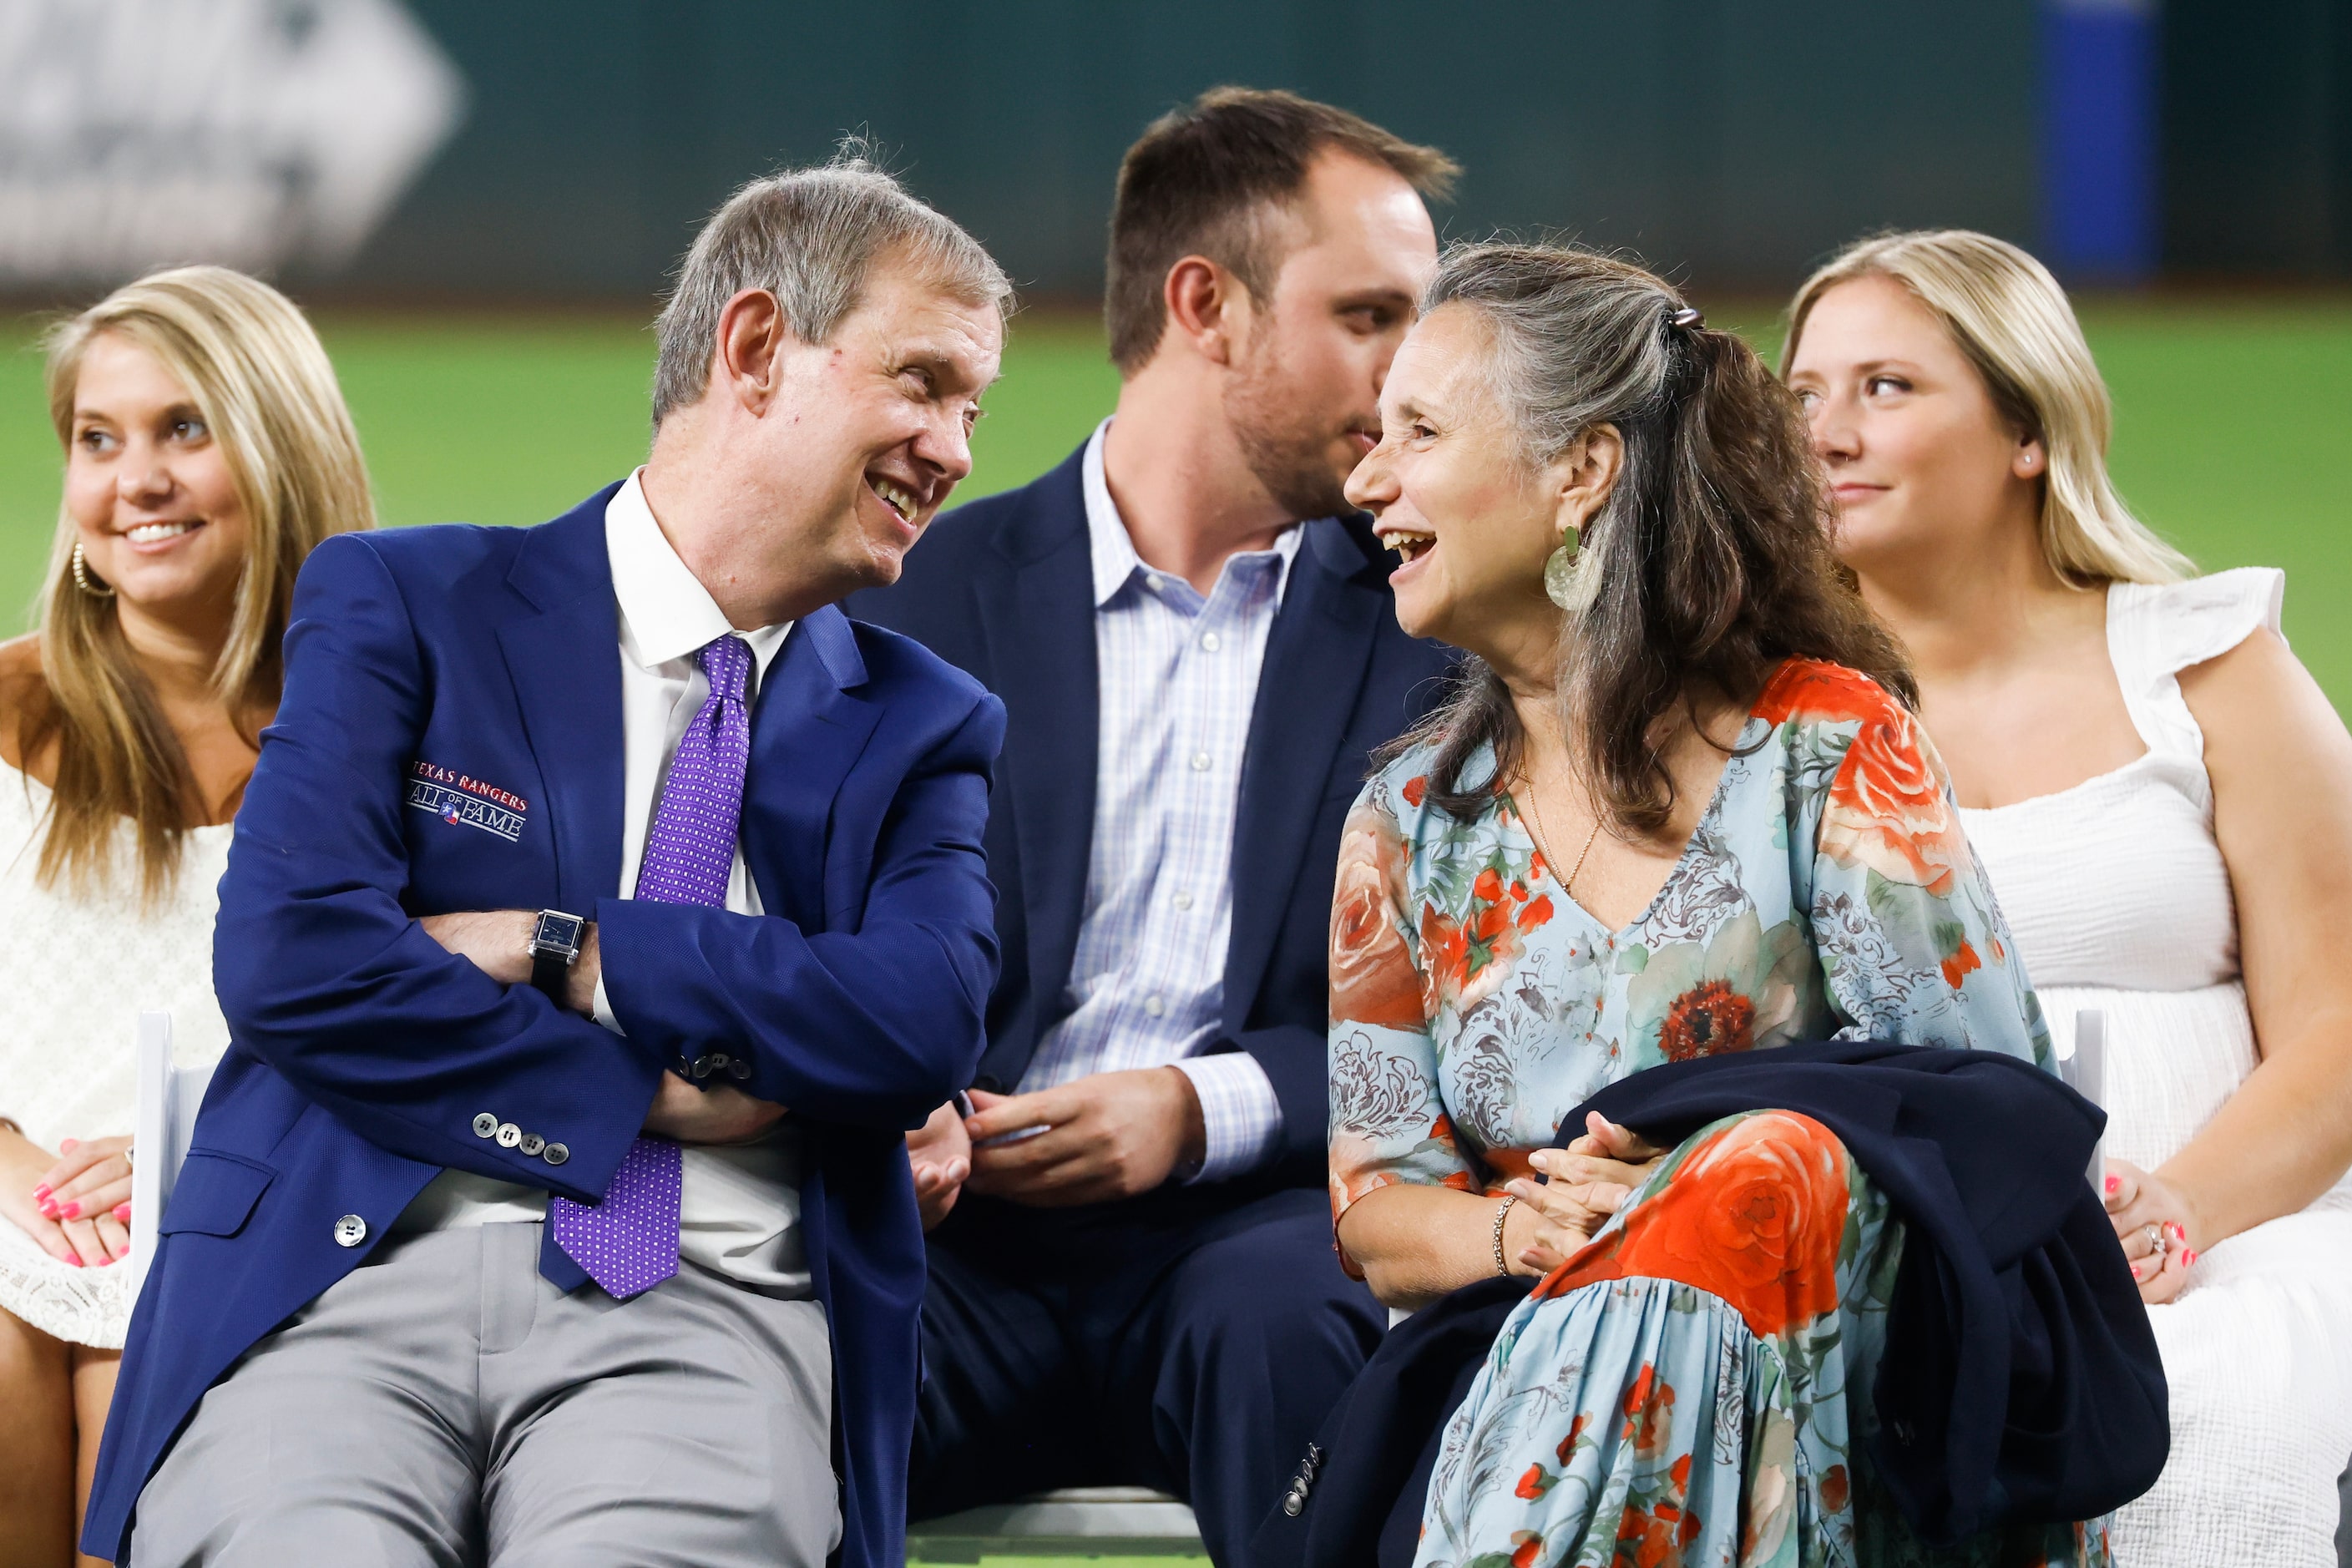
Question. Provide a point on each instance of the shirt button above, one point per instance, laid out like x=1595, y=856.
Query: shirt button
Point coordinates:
x=1182, y=900
x=1151, y=581
x=1212, y=641
x=1153, y=1007
x=1200, y=761
x=350, y=1230
x=485, y=1125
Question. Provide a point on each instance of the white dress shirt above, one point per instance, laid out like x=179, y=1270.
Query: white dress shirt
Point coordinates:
x=1179, y=677
x=738, y=1209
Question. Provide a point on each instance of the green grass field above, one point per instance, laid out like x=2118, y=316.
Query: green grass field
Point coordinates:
x=2234, y=431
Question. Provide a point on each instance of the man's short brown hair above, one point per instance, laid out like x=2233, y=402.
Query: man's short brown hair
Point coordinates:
x=1199, y=182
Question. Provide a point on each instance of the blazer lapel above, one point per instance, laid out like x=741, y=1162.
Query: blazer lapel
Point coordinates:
x=1316, y=659
x=565, y=662
x=807, y=732
x=1041, y=646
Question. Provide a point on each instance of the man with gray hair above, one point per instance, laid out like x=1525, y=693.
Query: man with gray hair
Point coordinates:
x=605, y=908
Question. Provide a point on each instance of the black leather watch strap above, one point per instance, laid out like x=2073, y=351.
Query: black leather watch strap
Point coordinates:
x=550, y=975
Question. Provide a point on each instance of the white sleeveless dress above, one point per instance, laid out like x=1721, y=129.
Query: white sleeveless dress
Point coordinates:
x=74, y=974
x=2119, y=899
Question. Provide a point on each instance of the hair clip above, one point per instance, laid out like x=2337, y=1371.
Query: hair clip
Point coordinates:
x=1685, y=317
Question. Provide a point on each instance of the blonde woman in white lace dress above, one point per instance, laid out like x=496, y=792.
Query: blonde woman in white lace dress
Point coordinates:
x=2163, y=800
x=207, y=450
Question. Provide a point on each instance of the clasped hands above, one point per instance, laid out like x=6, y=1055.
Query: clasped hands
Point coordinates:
x=497, y=942
x=1108, y=1135
x=76, y=1202
x=1589, y=1181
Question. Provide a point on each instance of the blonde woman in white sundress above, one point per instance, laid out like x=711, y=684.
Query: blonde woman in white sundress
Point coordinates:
x=2163, y=799
x=207, y=450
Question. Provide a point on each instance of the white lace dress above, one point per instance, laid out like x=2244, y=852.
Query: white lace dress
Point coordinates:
x=74, y=974
x=2119, y=899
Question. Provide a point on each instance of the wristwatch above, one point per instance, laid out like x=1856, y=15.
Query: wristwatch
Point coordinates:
x=555, y=949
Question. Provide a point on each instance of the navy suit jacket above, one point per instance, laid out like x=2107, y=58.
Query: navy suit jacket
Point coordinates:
x=1004, y=588
x=475, y=672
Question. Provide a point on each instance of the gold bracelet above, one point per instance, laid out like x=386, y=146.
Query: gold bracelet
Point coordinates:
x=1501, y=1209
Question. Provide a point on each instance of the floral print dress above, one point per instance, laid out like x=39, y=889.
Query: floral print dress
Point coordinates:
x=1694, y=1387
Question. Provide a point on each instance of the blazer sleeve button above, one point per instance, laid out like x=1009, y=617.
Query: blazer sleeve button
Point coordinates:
x=485, y=1125
x=350, y=1230
x=555, y=1153
x=531, y=1144
x=509, y=1135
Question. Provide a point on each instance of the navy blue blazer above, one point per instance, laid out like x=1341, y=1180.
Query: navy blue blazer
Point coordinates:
x=451, y=738
x=1004, y=588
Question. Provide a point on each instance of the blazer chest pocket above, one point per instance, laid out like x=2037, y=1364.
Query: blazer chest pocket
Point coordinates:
x=214, y=1194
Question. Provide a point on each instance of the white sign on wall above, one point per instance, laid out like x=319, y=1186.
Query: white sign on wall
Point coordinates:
x=254, y=133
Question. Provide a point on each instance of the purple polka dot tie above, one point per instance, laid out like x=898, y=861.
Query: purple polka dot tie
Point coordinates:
x=628, y=1242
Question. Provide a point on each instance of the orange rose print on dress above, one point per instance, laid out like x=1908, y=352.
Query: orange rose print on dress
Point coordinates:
x=1649, y=1537
x=1373, y=980
x=1649, y=1413
x=1754, y=1215
x=1464, y=961
x=1887, y=810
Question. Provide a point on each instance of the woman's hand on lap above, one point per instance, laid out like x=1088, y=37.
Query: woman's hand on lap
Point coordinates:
x=2136, y=1200
x=1560, y=1214
x=87, y=1191
x=1605, y=1152
x=25, y=1167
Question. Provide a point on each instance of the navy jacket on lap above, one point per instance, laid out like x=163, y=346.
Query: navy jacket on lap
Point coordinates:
x=451, y=738
x=1004, y=589
x=2020, y=1379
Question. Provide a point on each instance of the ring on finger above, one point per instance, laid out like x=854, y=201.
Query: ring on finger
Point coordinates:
x=2155, y=1234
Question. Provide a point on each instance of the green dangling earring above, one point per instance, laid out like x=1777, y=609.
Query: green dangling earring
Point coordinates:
x=1559, y=567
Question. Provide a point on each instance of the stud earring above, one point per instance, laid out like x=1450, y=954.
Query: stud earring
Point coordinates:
x=1559, y=567
x=94, y=587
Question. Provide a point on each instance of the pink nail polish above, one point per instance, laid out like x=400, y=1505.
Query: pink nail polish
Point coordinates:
x=73, y=1210
x=68, y=1146
x=122, y=1213
x=48, y=1208
x=75, y=1261
x=40, y=1192
x=2188, y=1260
x=2114, y=1183
x=105, y=1262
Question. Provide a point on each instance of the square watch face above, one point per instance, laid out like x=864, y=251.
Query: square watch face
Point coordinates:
x=557, y=931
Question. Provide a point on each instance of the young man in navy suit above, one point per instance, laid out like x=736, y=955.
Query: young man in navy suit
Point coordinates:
x=1192, y=637
x=603, y=910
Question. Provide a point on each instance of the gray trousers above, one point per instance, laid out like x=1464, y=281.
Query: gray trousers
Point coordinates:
x=444, y=1405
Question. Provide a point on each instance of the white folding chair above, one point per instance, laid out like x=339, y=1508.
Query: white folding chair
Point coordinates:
x=168, y=1098
x=2083, y=1068
x=1081, y=1521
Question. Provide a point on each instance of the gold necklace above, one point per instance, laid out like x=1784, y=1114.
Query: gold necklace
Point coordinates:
x=1543, y=839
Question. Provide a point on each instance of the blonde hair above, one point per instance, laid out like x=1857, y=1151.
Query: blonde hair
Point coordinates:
x=266, y=393
x=2011, y=318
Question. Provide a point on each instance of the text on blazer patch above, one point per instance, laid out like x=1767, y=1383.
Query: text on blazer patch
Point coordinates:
x=455, y=798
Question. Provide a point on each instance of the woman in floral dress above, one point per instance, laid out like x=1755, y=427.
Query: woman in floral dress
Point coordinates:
x=1678, y=807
